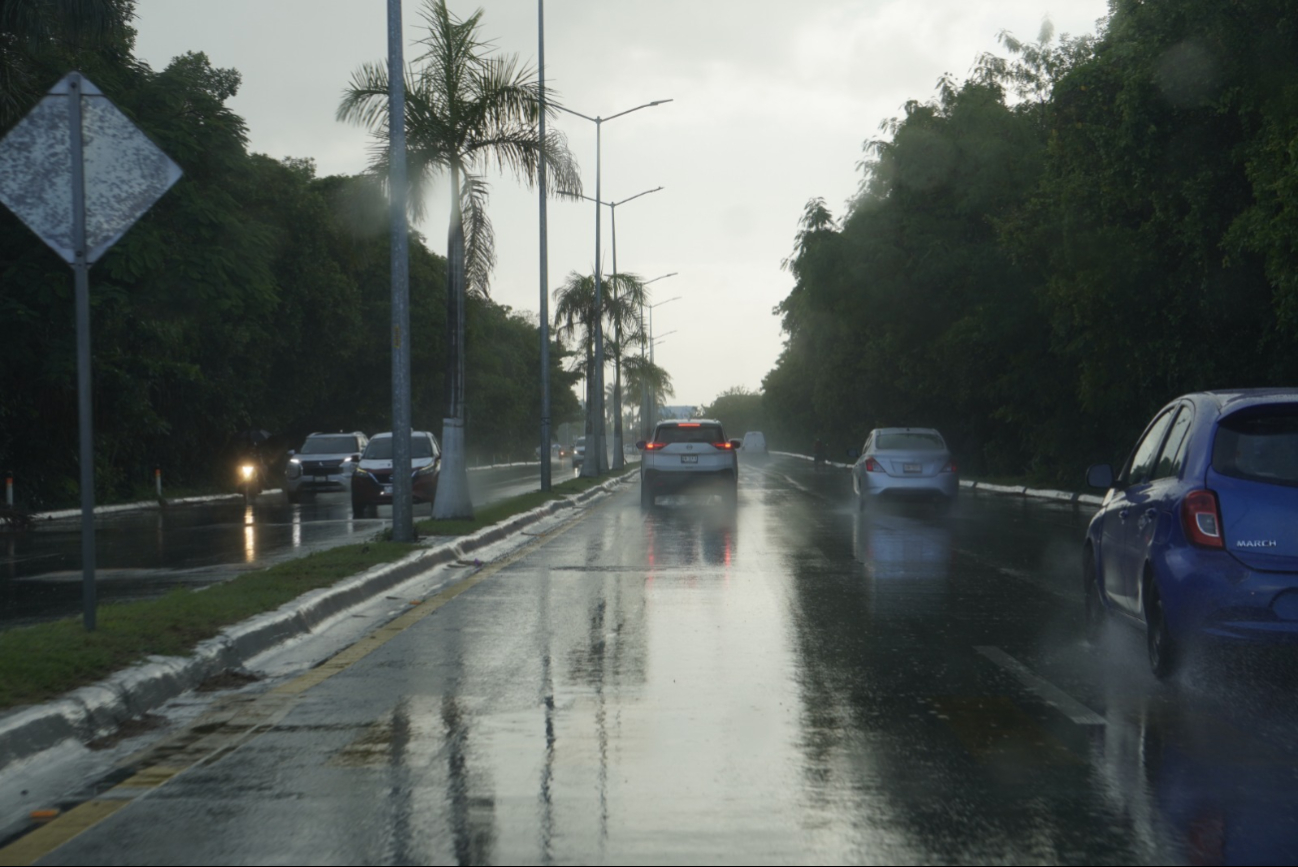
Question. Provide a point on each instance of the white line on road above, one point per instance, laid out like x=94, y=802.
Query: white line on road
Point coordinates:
x=1071, y=707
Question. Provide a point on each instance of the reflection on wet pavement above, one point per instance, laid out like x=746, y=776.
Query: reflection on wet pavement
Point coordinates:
x=791, y=681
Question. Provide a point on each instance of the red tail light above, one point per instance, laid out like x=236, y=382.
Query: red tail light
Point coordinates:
x=651, y=446
x=950, y=467
x=873, y=466
x=722, y=446
x=1201, y=518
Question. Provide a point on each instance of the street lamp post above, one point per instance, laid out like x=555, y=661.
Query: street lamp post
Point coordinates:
x=619, y=460
x=650, y=397
x=595, y=406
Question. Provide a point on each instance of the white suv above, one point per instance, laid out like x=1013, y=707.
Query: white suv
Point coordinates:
x=688, y=455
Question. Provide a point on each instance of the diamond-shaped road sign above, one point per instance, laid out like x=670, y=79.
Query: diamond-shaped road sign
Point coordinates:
x=79, y=174
x=125, y=173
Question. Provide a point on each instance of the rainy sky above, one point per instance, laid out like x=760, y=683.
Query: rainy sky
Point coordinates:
x=771, y=104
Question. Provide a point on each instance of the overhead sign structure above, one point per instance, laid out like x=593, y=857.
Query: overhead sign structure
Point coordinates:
x=79, y=173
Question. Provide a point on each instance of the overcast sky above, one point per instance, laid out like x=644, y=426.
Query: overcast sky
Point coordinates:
x=771, y=104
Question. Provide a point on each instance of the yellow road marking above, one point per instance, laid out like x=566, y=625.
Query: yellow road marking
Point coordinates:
x=259, y=716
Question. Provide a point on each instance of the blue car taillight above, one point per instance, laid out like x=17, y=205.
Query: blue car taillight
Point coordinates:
x=1201, y=518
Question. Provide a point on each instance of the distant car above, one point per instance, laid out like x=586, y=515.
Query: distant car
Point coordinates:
x=372, y=478
x=578, y=451
x=906, y=463
x=688, y=456
x=754, y=442
x=557, y=452
x=324, y=463
x=1196, y=534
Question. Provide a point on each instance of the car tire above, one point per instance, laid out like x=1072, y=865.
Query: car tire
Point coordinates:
x=646, y=496
x=358, y=509
x=292, y=497
x=1158, y=638
x=1096, y=612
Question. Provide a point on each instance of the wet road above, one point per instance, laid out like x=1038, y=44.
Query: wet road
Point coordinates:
x=143, y=554
x=788, y=682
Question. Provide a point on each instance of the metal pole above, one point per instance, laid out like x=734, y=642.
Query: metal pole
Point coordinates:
x=81, y=272
x=403, y=528
x=596, y=408
x=9, y=488
x=545, y=281
x=157, y=481
x=618, y=461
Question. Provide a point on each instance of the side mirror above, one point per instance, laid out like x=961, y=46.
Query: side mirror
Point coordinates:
x=356, y=457
x=736, y=444
x=640, y=445
x=1100, y=476
x=853, y=454
x=292, y=452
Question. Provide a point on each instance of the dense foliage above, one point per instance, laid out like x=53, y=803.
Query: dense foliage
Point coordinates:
x=1044, y=254
x=253, y=295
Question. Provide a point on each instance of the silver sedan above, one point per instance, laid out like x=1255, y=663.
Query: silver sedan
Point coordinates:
x=905, y=462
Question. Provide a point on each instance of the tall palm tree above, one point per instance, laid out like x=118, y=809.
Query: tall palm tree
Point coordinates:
x=465, y=112
x=643, y=376
x=626, y=300
x=574, y=317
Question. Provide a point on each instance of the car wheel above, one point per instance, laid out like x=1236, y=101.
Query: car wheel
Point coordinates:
x=1096, y=613
x=292, y=496
x=646, y=496
x=1158, y=638
x=358, y=509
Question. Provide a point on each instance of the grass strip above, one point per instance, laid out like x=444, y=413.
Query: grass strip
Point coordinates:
x=45, y=660
x=42, y=661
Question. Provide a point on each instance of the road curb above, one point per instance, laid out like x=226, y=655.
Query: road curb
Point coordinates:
x=1014, y=490
x=1035, y=493
x=98, y=709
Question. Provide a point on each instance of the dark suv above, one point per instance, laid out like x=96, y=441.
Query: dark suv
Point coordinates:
x=372, y=480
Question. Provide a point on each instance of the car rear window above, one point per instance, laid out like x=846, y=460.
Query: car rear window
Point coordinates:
x=381, y=450
x=329, y=445
x=1261, y=446
x=679, y=433
x=911, y=441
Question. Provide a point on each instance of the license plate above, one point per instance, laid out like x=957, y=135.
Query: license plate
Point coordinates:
x=387, y=489
x=910, y=468
x=689, y=459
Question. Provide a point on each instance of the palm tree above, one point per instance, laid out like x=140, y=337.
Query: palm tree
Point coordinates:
x=574, y=317
x=464, y=112
x=626, y=300
x=645, y=377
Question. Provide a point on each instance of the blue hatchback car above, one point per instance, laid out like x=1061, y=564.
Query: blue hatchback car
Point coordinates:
x=1198, y=534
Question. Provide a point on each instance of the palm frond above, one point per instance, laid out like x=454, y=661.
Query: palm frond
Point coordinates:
x=479, y=236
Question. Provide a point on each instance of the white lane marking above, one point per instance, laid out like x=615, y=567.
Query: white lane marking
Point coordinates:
x=1071, y=707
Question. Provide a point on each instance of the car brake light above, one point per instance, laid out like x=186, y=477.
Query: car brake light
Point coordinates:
x=873, y=466
x=950, y=467
x=651, y=446
x=688, y=424
x=1201, y=518
x=722, y=446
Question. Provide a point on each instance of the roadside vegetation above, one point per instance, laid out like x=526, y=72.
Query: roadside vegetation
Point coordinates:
x=45, y=660
x=254, y=294
x=1043, y=254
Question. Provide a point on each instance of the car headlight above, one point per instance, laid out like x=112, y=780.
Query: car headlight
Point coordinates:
x=294, y=468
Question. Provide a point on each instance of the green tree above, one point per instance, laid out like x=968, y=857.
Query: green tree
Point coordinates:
x=465, y=111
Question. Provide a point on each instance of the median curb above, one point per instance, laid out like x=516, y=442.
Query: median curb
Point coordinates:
x=98, y=709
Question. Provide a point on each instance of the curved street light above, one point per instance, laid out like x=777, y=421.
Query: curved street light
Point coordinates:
x=595, y=406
